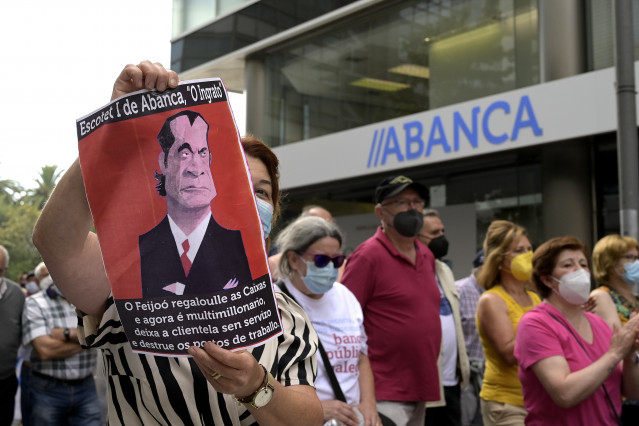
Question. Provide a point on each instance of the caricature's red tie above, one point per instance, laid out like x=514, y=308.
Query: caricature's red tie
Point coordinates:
x=186, y=262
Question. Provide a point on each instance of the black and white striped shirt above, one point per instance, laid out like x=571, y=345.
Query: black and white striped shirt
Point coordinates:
x=153, y=390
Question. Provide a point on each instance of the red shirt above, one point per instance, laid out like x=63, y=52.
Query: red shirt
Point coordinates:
x=400, y=301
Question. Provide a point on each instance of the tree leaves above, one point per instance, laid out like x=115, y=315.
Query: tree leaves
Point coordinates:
x=19, y=211
x=15, y=236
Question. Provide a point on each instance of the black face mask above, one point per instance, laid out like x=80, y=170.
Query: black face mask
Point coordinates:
x=439, y=246
x=408, y=223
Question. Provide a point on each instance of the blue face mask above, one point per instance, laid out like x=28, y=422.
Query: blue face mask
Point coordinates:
x=265, y=210
x=32, y=287
x=631, y=276
x=320, y=280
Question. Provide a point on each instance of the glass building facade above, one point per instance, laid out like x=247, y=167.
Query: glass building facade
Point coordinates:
x=188, y=15
x=315, y=70
x=601, y=33
x=212, y=33
x=398, y=59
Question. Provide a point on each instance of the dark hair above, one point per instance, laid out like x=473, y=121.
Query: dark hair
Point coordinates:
x=545, y=259
x=253, y=147
x=166, y=138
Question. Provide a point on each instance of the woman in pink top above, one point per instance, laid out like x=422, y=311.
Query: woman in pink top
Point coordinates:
x=573, y=368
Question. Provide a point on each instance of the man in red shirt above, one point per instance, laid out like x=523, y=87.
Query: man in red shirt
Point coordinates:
x=392, y=275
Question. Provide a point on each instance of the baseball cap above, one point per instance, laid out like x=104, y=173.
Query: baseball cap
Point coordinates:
x=393, y=185
x=479, y=259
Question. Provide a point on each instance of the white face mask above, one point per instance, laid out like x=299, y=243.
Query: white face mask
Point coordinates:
x=574, y=287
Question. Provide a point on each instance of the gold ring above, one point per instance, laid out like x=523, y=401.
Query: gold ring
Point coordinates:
x=215, y=375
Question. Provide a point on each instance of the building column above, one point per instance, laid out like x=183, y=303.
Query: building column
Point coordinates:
x=567, y=190
x=255, y=92
x=562, y=38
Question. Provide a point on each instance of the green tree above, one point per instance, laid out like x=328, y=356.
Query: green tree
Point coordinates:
x=49, y=176
x=15, y=235
x=9, y=190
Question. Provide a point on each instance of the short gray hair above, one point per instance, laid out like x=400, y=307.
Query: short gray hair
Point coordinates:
x=302, y=233
x=39, y=270
x=6, y=256
x=430, y=212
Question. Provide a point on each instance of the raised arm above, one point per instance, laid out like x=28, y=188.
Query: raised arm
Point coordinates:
x=63, y=234
x=568, y=389
x=630, y=384
x=71, y=252
x=492, y=314
x=605, y=308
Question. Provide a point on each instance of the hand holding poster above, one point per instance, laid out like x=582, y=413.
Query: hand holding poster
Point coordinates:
x=173, y=206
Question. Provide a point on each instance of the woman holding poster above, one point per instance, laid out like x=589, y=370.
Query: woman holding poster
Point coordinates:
x=270, y=384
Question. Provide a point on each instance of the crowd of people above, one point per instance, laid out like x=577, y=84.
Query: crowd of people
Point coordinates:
x=383, y=337
x=43, y=357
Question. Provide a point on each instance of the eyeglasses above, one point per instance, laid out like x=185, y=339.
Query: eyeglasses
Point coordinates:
x=321, y=260
x=630, y=257
x=403, y=202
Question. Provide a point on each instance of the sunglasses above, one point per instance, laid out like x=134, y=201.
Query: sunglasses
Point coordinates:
x=321, y=260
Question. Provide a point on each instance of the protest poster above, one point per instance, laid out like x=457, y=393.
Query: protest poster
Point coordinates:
x=173, y=205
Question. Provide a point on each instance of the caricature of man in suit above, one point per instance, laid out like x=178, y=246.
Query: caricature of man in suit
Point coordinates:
x=188, y=253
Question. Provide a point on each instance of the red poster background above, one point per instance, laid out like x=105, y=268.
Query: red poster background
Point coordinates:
x=118, y=163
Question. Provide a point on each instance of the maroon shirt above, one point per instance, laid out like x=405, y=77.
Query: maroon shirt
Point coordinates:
x=400, y=301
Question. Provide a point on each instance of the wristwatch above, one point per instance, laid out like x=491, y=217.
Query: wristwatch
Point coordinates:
x=262, y=395
x=67, y=334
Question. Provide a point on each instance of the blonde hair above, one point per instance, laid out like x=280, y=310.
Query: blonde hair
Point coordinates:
x=501, y=234
x=607, y=253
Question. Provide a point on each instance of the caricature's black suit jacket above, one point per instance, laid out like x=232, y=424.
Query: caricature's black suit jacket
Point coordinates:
x=220, y=258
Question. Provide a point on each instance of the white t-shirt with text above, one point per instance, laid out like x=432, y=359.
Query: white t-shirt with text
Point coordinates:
x=339, y=322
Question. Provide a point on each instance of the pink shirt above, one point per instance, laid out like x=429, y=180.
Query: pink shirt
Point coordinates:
x=400, y=301
x=540, y=336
